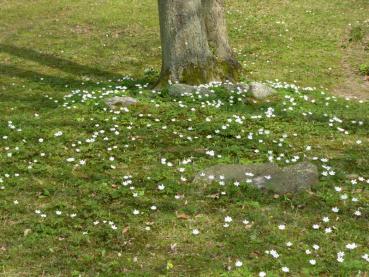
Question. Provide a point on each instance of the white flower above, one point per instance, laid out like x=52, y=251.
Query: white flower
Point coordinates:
x=351, y=246
x=136, y=212
x=285, y=269
x=161, y=187
x=335, y=209
x=228, y=219
x=328, y=230
x=357, y=213
x=58, y=133
x=58, y=212
x=289, y=244
x=340, y=256
x=316, y=226
x=274, y=254
x=312, y=262
x=238, y=263
x=282, y=227
x=262, y=274
x=195, y=232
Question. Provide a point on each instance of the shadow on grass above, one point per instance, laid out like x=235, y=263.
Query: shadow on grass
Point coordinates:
x=56, y=62
x=105, y=78
x=55, y=82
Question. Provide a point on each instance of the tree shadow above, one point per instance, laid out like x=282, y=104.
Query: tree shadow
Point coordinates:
x=56, y=62
x=56, y=82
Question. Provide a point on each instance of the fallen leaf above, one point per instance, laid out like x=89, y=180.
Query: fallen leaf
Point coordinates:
x=183, y=216
x=125, y=230
x=248, y=226
x=26, y=232
x=173, y=247
x=214, y=196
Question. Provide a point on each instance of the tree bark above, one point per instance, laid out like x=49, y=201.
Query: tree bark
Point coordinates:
x=194, y=40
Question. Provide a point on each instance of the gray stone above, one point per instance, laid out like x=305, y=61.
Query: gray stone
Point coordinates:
x=178, y=90
x=120, y=101
x=267, y=176
x=261, y=91
x=238, y=88
x=203, y=91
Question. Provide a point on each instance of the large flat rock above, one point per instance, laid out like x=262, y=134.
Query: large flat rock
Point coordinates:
x=261, y=91
x=120, y=101
x=268, y=176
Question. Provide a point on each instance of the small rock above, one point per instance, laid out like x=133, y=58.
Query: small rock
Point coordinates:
x=238, y=88
x=178, y=90
x=266, y=176
x=120, y=101
x=261, y=91
x=203, y=91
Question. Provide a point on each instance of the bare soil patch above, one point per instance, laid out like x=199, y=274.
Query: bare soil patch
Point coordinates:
x=355, y=86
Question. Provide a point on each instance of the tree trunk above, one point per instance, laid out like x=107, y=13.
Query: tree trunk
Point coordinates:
x=195, y=47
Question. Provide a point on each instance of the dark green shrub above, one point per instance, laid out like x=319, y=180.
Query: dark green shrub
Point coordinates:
x=364, y=69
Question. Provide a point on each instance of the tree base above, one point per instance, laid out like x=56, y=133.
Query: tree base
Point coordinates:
x=195, y=47
x=216, y=71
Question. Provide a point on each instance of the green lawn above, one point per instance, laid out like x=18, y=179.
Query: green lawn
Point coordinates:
x=79, y=191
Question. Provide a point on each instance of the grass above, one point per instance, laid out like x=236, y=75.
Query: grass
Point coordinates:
x=60, y=60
